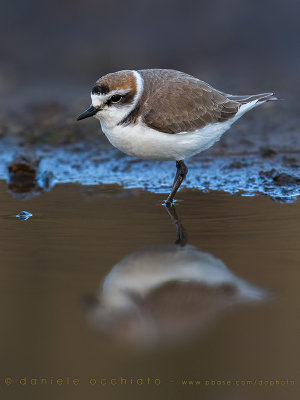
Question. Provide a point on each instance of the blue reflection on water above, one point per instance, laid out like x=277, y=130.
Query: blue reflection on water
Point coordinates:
x=24, y=215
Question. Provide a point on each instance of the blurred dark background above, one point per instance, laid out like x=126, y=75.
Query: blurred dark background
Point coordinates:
x=58, y=48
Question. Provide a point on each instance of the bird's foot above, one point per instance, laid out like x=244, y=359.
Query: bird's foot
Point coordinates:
x=168, y=203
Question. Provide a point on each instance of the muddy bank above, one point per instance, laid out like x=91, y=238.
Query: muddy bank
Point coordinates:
x=43, y=146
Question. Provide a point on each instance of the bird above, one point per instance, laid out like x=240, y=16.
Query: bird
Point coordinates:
x=166, y=293
x=164, y=114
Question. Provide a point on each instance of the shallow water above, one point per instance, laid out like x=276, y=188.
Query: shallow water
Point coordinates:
x=53, y=265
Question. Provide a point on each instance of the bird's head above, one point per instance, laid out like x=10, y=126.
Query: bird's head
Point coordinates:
x=114, y=96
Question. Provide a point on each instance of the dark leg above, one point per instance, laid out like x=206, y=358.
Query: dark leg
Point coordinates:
x=181, y=234
x=179, y=177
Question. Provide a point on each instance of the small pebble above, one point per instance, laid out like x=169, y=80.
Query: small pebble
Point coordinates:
x=24, y=215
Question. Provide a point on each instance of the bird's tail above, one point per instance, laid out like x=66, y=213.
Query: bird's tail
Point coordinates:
x=262, y=97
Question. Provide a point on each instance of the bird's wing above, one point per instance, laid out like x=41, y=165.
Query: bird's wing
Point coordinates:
x=174, y=102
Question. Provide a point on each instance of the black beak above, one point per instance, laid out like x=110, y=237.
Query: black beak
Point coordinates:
x=87, y=113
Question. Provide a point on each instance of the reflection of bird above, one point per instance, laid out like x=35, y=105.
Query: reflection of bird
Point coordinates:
x=162, y=114
x=165, y=292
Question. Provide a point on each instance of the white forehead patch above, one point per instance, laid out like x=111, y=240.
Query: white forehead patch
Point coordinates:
x=98, y=99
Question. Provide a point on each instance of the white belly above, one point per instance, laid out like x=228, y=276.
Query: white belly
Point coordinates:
x=143, y=142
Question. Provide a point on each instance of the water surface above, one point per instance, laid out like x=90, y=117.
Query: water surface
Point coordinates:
x=53, y=266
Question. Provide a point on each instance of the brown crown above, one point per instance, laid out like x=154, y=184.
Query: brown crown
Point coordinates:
x=117, y=80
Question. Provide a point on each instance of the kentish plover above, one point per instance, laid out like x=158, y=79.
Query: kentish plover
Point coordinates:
x=162, y=114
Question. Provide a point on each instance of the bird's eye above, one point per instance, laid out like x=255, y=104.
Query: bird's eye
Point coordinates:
x=116, y=98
